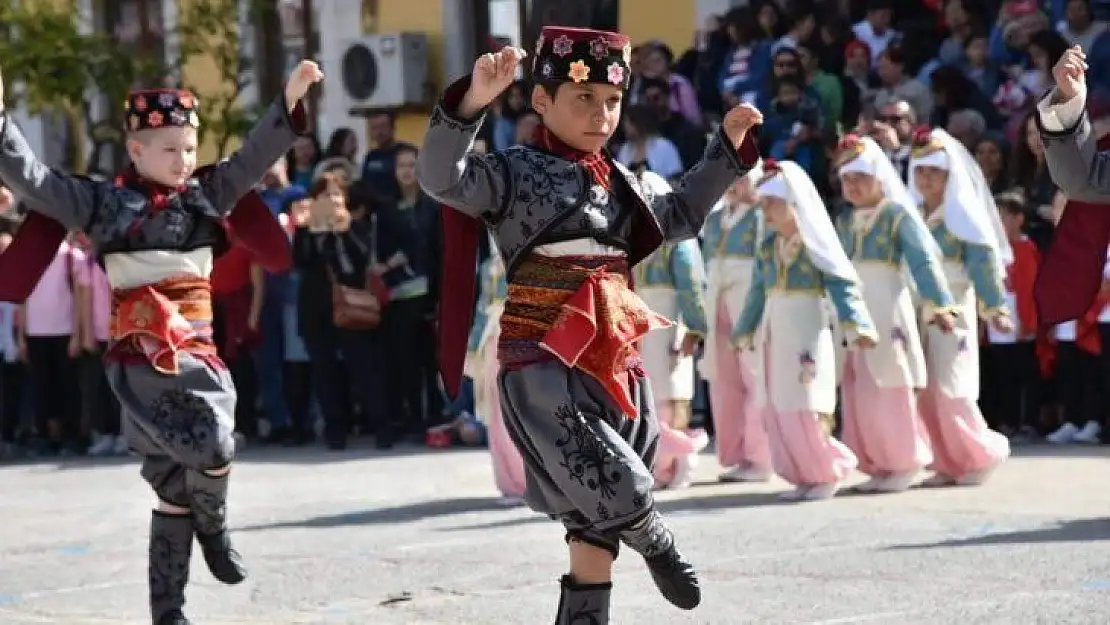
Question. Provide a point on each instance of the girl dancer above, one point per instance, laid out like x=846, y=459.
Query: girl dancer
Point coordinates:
x=730, y=239
x=672, y=283
x=795, y=268
x=881, y=231
x=508, y=467
x=963, y=218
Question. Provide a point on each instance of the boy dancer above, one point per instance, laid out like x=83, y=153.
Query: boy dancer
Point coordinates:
x=570, y=223
x=157, y=227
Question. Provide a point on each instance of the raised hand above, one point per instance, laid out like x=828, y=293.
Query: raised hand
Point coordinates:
x=739, y=120
x=493, y=73
x=1070, y=72
x=306, y=74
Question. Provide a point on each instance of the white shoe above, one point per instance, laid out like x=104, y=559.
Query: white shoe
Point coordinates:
x=121, y=448
x=104, y=446
x=1063, y=435
x=938, y=480
x=870, y=486
x=1089, y=434
x=510, y=501
x=821, y=491
x=897, y=483
x=745, y=474
x=797, y=494
x=684, y=471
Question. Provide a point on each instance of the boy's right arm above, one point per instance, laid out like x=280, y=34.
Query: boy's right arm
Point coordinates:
x=66, y=199
x=449, y=172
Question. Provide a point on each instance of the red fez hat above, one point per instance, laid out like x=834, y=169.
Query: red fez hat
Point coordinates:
x=581, y=55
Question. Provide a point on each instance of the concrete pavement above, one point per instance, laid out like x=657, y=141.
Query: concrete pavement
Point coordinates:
x=415, y=537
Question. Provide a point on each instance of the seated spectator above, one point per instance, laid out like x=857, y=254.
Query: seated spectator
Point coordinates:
x=897, y=84
x=786, y=62
x=768, y=19
x=511, y=105
x=657, y=59
x=802, y=21
x=952, y=92
x=967, y=126
x=1079, y=27
x=792, y=124
x=747, y=63
x=860, y=84
x=689, y=139
x=827, y=86
x=875, y=28
x=644, y=149
x=992, y=153
x=978, y=67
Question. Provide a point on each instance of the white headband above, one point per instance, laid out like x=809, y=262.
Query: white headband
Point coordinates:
x=937, y=158
x=775, y=187
x=860, y=164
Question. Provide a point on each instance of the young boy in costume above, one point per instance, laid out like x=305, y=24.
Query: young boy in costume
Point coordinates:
x=157, y=228
x=570, y=223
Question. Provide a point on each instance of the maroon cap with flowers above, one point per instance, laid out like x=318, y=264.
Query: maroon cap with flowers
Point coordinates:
x=581, y=55
x=161, y=108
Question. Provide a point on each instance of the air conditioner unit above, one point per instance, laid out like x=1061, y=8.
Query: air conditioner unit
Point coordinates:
x=385, y=71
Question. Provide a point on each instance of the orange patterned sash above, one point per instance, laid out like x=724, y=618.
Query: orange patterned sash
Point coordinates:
x=158, y=321
x=587, y=317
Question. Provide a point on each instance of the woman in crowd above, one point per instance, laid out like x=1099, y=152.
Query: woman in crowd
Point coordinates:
x=1030, y=172
x=342, y=144
x=302, y=160
x=330, y=251
x=644, y=149
x=512, y=105
x=992, y=155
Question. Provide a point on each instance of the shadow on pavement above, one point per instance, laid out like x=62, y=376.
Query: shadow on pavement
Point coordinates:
x=1077, y=530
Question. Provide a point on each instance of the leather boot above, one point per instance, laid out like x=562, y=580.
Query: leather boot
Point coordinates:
x=583, y=604
x=171, y=547
x=673, y=574
x=208, y=501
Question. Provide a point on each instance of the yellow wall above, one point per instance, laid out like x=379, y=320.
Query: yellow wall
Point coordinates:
x=670, y=21
x=424, y=16
x=202, y=75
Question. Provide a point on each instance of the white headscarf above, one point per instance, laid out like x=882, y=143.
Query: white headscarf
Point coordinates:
x=874, y=162
x=754, y=174
x=792, y=185
x=969, y=209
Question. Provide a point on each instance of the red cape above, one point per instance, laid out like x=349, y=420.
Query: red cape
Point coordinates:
x=1071, y=272
x=250, y=224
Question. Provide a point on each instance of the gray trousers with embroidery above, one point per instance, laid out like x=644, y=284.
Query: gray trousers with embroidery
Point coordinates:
x=587, y=465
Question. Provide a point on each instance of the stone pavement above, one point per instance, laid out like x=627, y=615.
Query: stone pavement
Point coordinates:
x=414, y=537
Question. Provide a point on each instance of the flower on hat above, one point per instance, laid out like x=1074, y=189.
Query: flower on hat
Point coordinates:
x=562, y=45
x=140, y=104
x=599, y=48
x=615, y=73
x=177, y=116
x=548, y=70
x=187, y=100
x=166, y=99
x=579, y=71
x=133, y=122
x=922, y=136
x=154, y=120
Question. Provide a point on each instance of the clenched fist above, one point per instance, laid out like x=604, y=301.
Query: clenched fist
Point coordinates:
x=1070, y=73
x=306, y=74
x=493, y=73
x=739, y=120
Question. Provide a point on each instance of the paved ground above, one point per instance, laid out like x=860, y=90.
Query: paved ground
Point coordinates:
x=413, y=537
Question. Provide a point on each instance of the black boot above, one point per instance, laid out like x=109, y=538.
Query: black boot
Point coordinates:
x=673, y=575
x=171, y=547
x=208, y=501
x=583, y=604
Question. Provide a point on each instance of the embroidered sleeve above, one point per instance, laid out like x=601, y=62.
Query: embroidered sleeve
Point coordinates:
x=268, y=140
x=690, y=285
x=924, y=266
x=985, y=273
x=743, y=335
x=682, y=212
x=68, y=200
x=850, y=308
x=474, y=184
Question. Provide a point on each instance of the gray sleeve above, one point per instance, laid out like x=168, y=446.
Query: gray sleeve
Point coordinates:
x=270, y=138
x=683, y=212
x=474, y=184
x=1076, y=164
x=66, y=199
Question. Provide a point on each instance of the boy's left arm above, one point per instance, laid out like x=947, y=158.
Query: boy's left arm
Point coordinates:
x=683, y=211
x=270, y=138
x=732, y=152
x=690, y=284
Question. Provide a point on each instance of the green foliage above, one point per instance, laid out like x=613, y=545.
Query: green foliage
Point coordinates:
x=55, y=65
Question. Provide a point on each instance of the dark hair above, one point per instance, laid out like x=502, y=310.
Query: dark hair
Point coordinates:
x=335, y=143
x=1052, y=43
x=644, y=119
x=407, y=148
x=361, y=195
x=895, y=53
x=550, y=87
x=790, y=80
x=290, y=156
x=1011, y=201
x=743, y=24
x=507, y=112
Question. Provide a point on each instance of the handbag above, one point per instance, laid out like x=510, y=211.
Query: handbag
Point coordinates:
x=360, y=308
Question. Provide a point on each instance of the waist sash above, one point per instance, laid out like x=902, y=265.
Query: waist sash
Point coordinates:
x=158, y=321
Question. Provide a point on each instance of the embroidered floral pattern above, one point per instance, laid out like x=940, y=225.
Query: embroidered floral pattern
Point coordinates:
x=585, y=457
x=188, y=425
x=548, y=70
x=579, y=71
x=898, y=337
x=615, y=73
x=562, y=46
x=599, y=48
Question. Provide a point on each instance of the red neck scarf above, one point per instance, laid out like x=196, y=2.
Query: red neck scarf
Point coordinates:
x=159, y=194
x=595, y=162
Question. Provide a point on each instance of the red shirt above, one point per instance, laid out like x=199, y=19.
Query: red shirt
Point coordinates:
x=232, y=271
